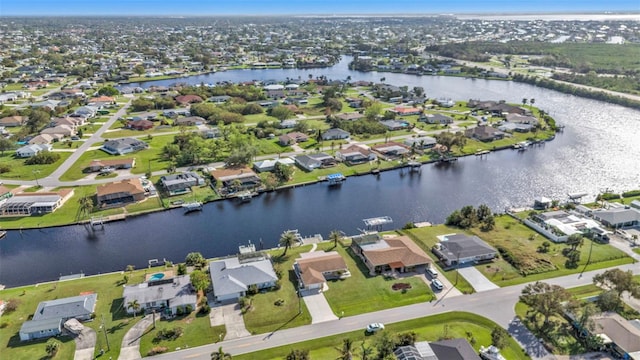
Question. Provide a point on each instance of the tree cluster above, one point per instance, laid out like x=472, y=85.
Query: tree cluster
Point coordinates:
x=468, y=217
x=43, y=158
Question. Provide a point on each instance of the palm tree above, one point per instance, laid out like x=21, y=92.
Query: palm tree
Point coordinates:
x=134, y=305
x=287, y=239
x=53, y=345
x=346, y=351
x=220, y=355
x=86, y=205
x=524, y=101
x=532, y=101
x=335, y=236
x=366, y=351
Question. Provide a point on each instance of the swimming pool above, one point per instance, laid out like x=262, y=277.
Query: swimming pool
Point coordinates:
x=157, y=276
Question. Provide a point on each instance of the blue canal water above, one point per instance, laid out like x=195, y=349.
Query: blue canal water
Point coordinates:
x=598, y=149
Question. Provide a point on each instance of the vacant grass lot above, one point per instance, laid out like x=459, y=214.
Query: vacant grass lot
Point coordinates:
x=523, y=243
x=362, y=293
x=20, y=171
x=109, y=305
x=474, y=328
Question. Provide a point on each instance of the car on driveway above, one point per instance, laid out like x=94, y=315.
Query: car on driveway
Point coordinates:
x=432, y=272
x=374, y=327
x=437, y=284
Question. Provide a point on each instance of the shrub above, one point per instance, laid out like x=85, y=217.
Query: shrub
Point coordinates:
x=157, y=350
x=43, y=157
x=12, y=305
x=631, y=193
x=179, y=311
x=188, y=309
x=4, y=168
x=205, y=309
x=169, y=334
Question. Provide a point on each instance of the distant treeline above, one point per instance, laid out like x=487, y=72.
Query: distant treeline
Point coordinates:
x=578, y=91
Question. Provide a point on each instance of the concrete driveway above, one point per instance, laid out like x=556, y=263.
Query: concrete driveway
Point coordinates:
x=230, y=316
x=85, y=344
x=130, y=349
x=318, y=307
x=476, y=279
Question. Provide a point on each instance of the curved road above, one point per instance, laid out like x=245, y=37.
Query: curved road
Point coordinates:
x=497, y=305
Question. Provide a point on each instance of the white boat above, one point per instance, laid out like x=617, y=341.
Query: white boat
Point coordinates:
x=245, y=196
x=2, y=234
x=192, y=206
x=491, y=353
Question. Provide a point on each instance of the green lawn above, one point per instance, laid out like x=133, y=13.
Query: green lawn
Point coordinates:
x=267, y=146
x=476, y=329
x=199, y=193
x=265, y=316
x=256, y=118
x=109, y=305
x=197, y=331
x=362, y=293
x=129, y=132
x=20, y=171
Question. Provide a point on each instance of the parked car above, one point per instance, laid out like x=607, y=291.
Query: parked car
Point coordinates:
x=437, y=284
x=432, y=272
x=375, y=327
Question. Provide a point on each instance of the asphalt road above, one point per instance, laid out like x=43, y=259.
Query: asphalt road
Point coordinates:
x=497, y=305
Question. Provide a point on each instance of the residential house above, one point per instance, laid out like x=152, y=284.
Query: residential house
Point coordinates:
x=456, y=249
x=173, y=113
x=453, y=349
x=100, y=101
x=292, y=138
x=444, y=102
x=30, y=150
x=311, y=162
x=13, y=121
x=237, y=178
x=393, y=125
x=388, y=254
x=45, y=139
x=86, y=111
x=120, y=193
x=352, y=116
x=515, y=127
x=355, y=103
x=618, y=217
x=46, y=104
x=557, y=226
x=313, y=269
x=288, y=124
x=517, y=118
x=140, y=125
x=113, y=164
x=335, y=134
x=123, y=146
x=391, y=150
x=620, y=336
x=274, y=91
x=176, y=184
x=188, y=99
x=436, y=119
x=210, y=133
x=484, y=133
x=269, y=165
x=190, y=121
x=64, y=130
x=27, y=204
x=166, y=295
x=406, y=111
x=422, y=142
x=355, y=154
x=219, y=99
x=233, y=277
x=50, y=316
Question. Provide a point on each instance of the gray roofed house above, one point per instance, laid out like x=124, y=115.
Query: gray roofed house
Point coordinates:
x=454, y=349
x=436, y=119
x=31, y=150
x=32, y=204
x=166, y=295
x=618, y=334
x=422, y=142
x=123, y=146
x=181, y=183
x=456, y=249
x=618, y=217
x=232, y=277
x=314, y=161
x=335, y=134
x=50, y=315
x=420, y=350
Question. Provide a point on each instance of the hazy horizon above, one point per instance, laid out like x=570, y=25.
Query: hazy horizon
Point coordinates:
x=311, y=7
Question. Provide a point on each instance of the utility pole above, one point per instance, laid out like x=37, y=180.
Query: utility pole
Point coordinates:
x=104, y=329
x=35, y=176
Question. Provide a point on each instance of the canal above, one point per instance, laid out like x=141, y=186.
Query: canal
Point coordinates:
x=598, y=149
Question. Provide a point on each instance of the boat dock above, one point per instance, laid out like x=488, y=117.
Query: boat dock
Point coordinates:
x=377, y=223
x=336, y=179
x=246, y=195
x=192, y=206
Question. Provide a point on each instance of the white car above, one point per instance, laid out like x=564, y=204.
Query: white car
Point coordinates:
x=432, y=272
x=375, y=327
x=437, y=284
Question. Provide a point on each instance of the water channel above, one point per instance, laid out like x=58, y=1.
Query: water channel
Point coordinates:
x=598, y=149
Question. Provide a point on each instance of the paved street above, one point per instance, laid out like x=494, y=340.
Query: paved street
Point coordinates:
x=497, y=305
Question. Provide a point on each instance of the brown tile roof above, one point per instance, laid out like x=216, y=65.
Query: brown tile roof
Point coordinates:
x=102, y=99
x=13, y=119
x=389, y=144
x=111, y=162
x=314, y=264
x=401, y=250
x=187, y=99
x=131, y=186
x=355, y=148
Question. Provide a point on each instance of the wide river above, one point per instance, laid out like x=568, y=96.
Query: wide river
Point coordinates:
x=599, y=149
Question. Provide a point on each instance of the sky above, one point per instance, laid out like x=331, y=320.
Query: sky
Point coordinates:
x=274, y=7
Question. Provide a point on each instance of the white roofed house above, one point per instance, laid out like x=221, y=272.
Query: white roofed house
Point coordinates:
x=233, y=277
x=166, y=295
x=30, y=150
x=27, y=204
x=269, y=165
